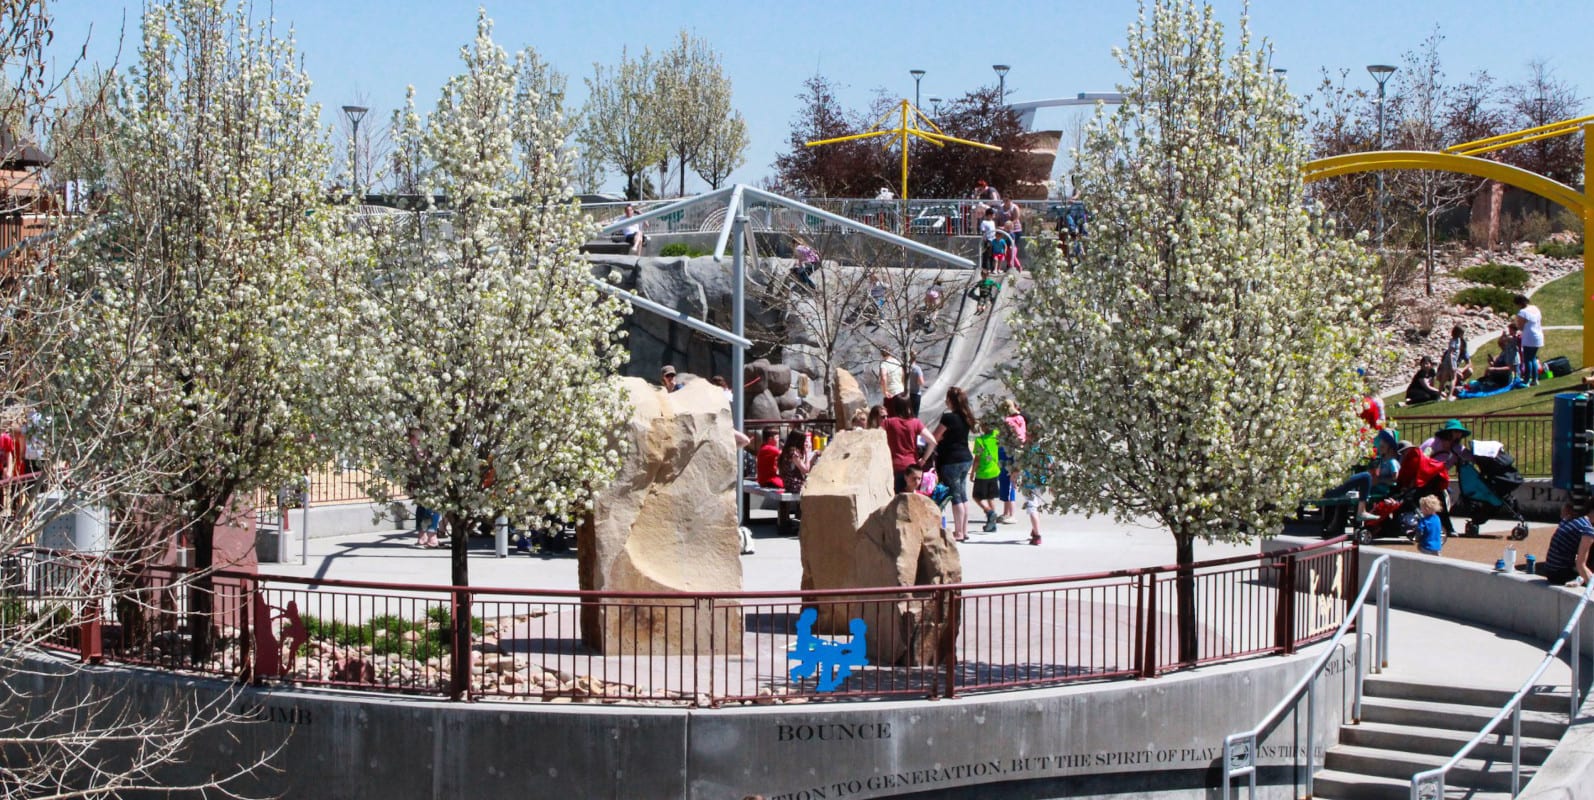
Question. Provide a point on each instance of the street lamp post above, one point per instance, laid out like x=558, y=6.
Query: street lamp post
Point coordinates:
x=935, y=102
x=355, y=114
x=918, y=74
x=1001, y=81
x=1380, y=73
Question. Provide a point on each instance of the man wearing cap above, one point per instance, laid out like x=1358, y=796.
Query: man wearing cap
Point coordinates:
x=667, y=378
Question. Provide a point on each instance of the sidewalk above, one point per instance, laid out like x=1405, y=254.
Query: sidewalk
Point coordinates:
x=1073, y=545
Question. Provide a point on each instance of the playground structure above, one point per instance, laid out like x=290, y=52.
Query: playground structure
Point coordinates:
x=1465, y=158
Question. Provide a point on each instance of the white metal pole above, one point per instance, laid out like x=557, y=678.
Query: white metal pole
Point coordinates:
x=738, y=350
x=304, y=525
x=501, y=538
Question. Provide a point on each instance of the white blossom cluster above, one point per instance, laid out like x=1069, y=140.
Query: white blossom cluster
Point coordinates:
x=488, y=353
x=199, y=298
x=1197, y=363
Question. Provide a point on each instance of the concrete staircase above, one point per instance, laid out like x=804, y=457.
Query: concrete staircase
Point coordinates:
x=1410, y=727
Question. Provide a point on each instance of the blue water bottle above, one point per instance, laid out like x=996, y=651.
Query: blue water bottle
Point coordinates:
x=1531, y=560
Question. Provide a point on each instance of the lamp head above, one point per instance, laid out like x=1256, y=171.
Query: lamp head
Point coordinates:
x=916, y=73
x=355, y=113
x=1001, y=69
x=1380, y=72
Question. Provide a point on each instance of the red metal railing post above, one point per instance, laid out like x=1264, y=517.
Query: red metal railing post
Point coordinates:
x=90, y=644
x=459, y=656
x=1284, y=620
x=1148, y=653
x=248, y=643
x=949, y=638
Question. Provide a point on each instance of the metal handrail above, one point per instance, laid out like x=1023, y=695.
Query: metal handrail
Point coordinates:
x=1424, y=783
x=1239, y=749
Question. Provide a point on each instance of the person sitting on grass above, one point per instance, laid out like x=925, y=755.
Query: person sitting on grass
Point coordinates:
x=1422, y=389
x=1567, y=558
x=1503, y=368
x=1430, y=534
x=1383, y=472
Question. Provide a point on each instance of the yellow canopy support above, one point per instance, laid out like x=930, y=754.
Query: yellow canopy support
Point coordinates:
x=907, y=129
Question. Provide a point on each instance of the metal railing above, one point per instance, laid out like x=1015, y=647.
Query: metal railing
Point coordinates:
x=1240, y=749
x=692, y=649
x=1430, y=784
x=924, y=216
x=1526, y=436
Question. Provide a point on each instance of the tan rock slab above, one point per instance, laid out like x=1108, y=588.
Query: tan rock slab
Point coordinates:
x=667, y=523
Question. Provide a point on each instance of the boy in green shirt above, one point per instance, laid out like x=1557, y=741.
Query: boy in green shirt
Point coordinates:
x=987, y=468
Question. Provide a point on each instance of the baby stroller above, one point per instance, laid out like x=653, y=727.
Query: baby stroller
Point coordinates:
x=1396, y=518
x=1487, y=486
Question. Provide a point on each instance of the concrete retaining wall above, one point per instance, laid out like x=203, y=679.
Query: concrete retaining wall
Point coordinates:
x=1163, y=735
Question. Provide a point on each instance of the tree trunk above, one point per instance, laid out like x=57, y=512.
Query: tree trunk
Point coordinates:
x=1185, y=600
x=459, y=549
x=201, y=597
x=683, y=175
x=1427, y=276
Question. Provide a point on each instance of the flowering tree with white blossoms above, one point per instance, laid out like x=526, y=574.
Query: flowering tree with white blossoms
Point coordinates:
x=204, y=293
x=492, y=350
x=1197, y=364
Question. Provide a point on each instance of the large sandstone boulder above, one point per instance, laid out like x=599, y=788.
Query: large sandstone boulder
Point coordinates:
x=902, y=544
x=849, y=483
x=849, y=398
x=855, y=533
x=666, y=524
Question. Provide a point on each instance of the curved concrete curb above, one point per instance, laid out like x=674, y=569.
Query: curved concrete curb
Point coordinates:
x=1163, y=735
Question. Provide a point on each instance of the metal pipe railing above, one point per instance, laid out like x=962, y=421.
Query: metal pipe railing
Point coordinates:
x=1239, y=749
x=1431, y=783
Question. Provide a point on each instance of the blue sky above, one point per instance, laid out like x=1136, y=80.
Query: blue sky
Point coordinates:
x=368, y=50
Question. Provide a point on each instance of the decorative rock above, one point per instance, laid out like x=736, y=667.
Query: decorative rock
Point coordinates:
x=779, y=377
x=666, y=524
x=762, y=406
x=848, y=484
x=849, y=398
x=788, y=401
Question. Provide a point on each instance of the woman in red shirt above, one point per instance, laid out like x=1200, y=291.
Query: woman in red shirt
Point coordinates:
x=903, y=432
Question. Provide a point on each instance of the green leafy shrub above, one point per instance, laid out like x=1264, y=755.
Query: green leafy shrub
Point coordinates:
x=1504, y=276
x=678, y=249
x=1554, y=249
x=388, y=634
x=1486, y=297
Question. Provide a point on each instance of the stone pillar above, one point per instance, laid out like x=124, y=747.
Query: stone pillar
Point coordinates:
x=666, y=524
x=856, y=534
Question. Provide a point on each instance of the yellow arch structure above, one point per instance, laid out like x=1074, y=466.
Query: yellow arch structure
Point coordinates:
x=1577, y=202
x=1555, y=191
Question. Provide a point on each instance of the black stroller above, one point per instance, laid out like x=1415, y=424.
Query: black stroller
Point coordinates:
x=1487, y=486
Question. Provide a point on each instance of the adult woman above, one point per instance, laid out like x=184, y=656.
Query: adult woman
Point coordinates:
x=903, y=432
x=795, y=460
x=877, y=416
x=953, y=459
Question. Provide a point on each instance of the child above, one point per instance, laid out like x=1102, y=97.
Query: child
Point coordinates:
x=913, y=479
x=1430, y=536
x=987, y=470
